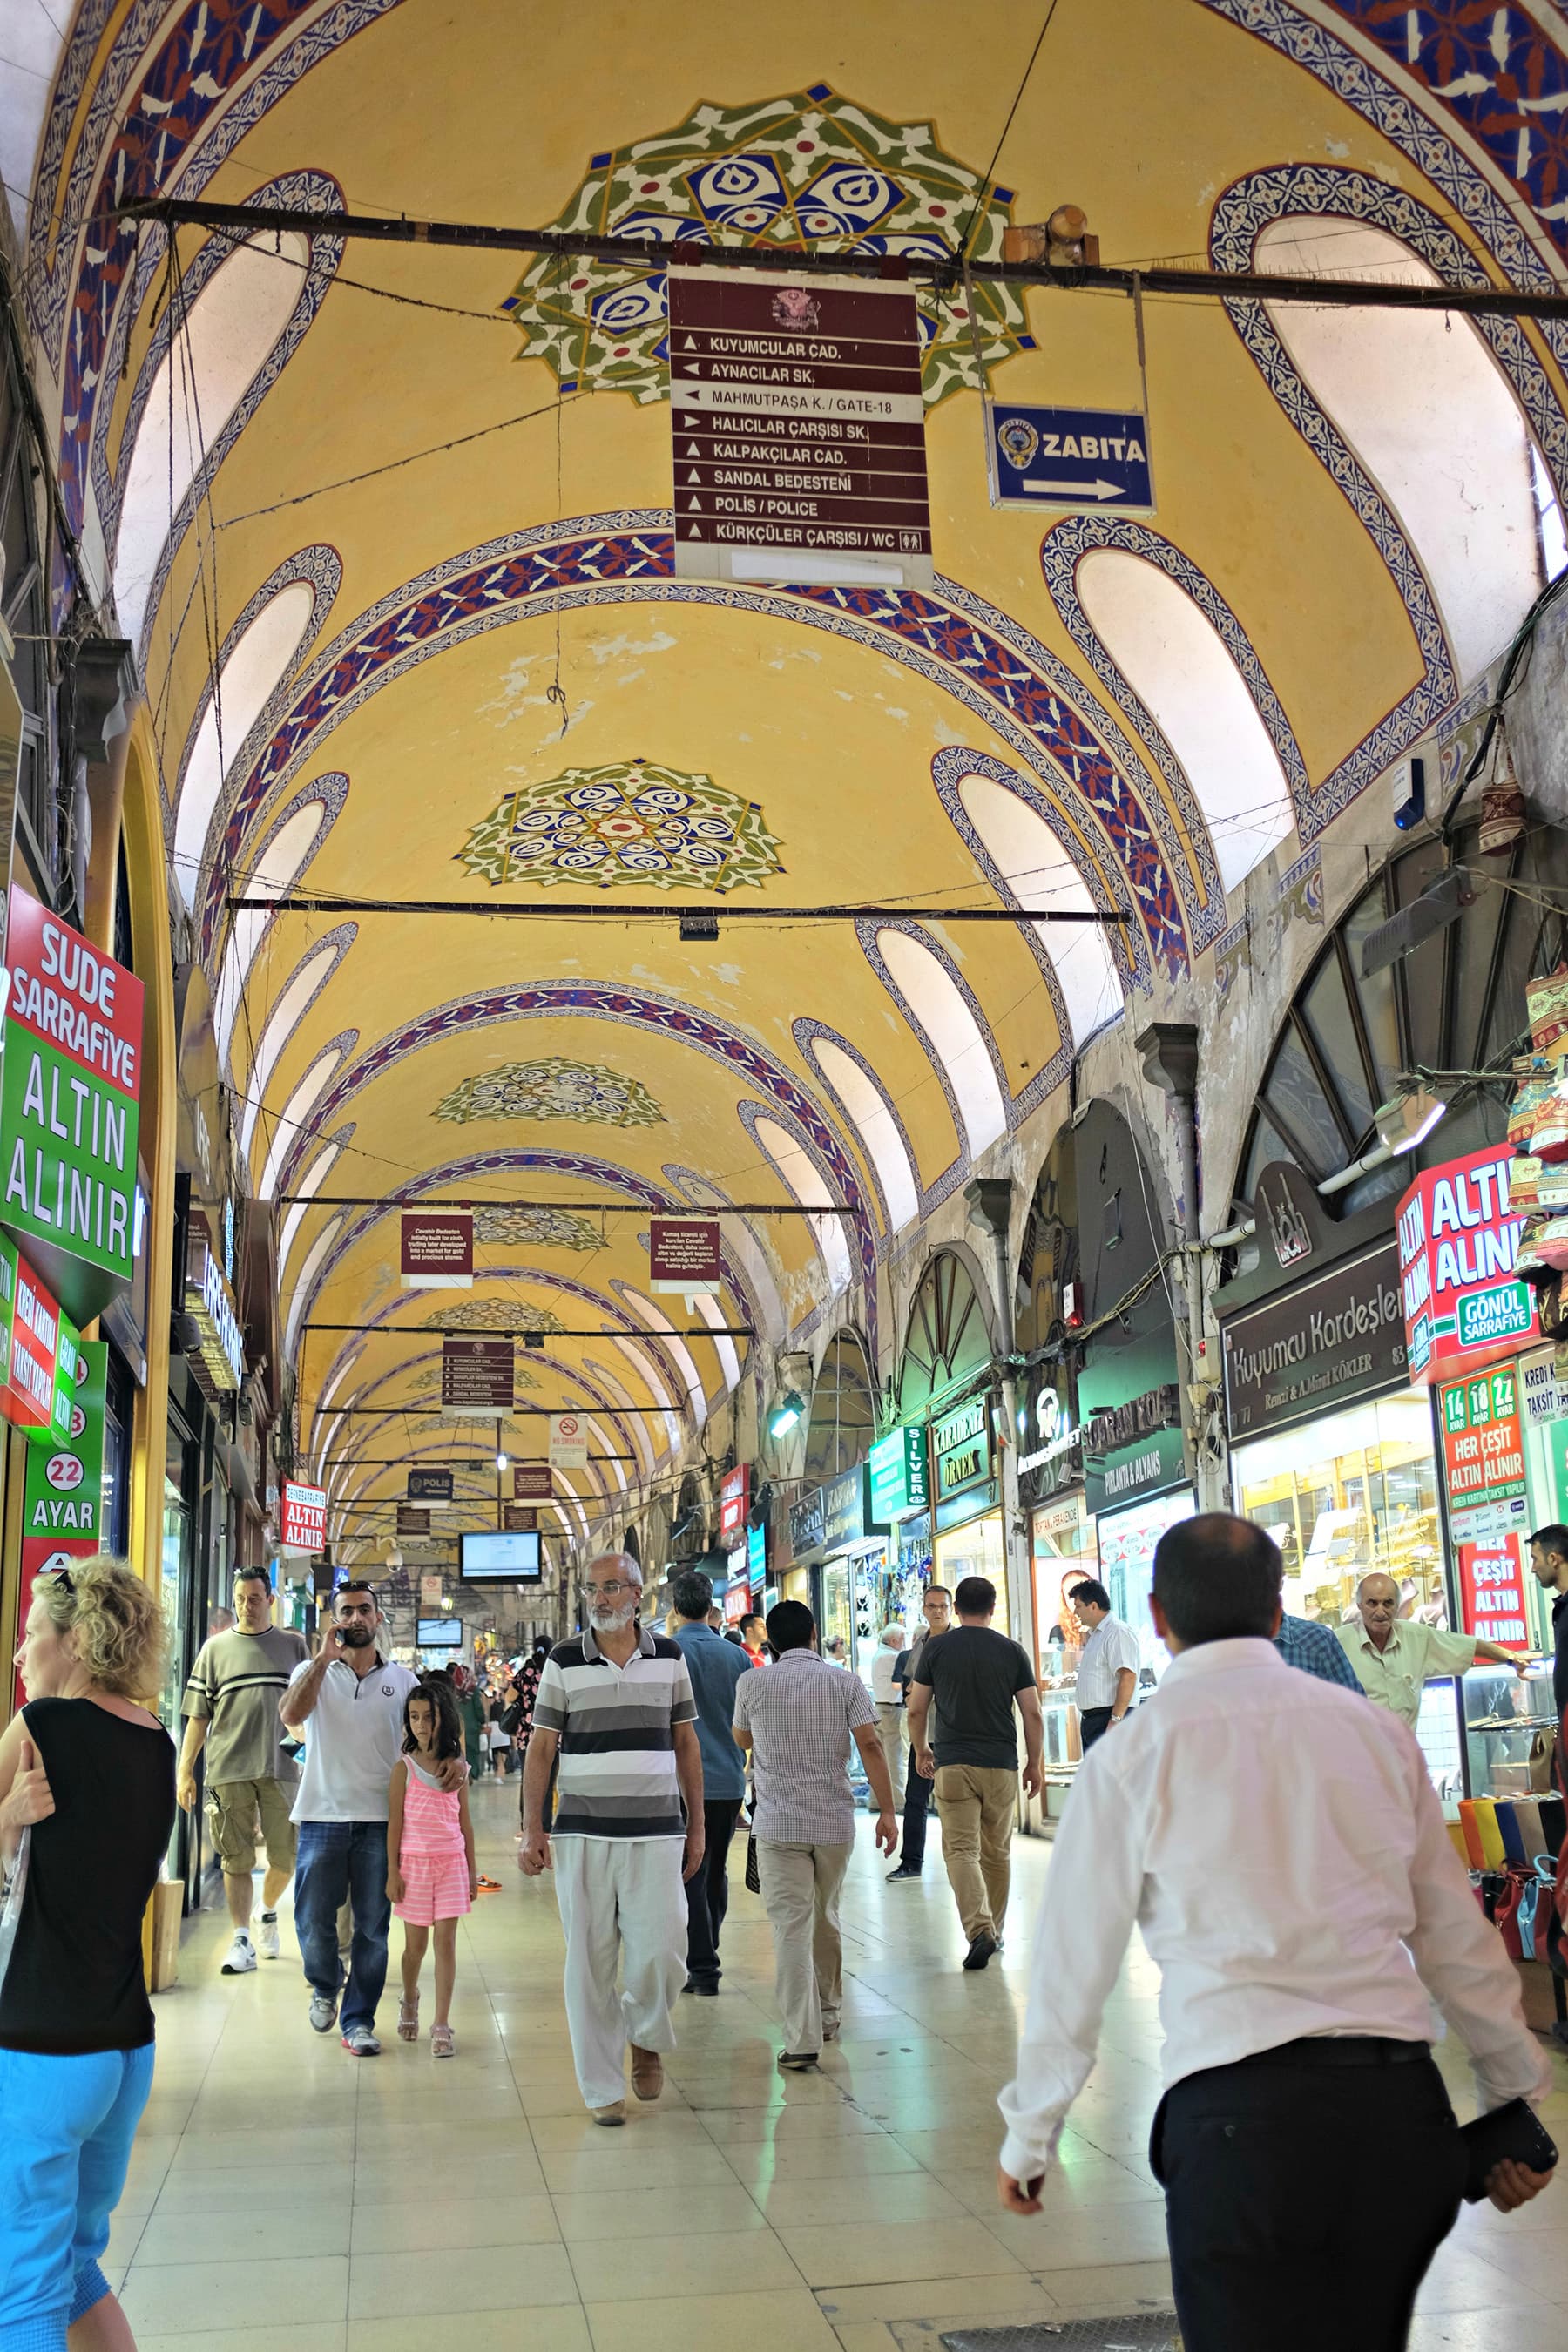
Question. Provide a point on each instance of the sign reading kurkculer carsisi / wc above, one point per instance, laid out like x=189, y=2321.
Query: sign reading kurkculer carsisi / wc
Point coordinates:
x=68, y=1107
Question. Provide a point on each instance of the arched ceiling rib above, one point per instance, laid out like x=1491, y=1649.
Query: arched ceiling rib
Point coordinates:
x=499, y=694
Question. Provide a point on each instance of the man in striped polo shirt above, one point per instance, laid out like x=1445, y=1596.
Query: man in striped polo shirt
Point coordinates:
x=617, y=1706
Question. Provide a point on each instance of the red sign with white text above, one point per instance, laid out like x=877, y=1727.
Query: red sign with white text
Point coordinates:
x=304, y=1520
x=735, y=1502
x=1491, y=1590
x=1458, y=1240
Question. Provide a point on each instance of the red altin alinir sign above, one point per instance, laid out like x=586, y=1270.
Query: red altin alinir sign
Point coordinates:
x=303, y=1522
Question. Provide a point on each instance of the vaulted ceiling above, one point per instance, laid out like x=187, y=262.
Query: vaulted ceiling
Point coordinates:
x=390, y=530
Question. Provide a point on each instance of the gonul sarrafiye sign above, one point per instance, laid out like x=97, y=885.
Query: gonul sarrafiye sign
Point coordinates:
x=69, y=1097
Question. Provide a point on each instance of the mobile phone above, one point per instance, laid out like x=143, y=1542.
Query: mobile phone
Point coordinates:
x=1514, y=2131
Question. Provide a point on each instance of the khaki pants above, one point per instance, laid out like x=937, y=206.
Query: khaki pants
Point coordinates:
x=979, y=1805
x=800, y=1895
x=893, y=1731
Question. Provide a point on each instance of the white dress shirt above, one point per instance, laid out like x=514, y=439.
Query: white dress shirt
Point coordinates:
x=1111, y=1647
x=1281, y=1848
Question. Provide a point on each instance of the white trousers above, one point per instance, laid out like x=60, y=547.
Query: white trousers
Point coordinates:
x=800, y=1896
x=621, y=1903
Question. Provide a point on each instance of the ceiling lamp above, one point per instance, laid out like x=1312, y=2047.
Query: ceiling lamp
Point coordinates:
x=503, y=1462
x=785, y=1414
x=1408, y=1116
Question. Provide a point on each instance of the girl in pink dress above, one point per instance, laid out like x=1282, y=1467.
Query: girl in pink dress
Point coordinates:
x=431, y=1877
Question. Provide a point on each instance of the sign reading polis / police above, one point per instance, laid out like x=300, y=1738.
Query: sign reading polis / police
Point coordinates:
x=1070, y=458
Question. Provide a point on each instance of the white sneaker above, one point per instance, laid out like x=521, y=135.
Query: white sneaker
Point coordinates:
x=323, y=2012
x=241, y=1958
x=266, y=1937
x=362, y=2041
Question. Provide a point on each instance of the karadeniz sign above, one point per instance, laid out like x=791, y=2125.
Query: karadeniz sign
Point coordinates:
x=1324, y=1343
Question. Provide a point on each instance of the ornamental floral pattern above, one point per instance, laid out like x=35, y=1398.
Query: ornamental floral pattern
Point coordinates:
x=632, y=823
x=554, y=1088
x=537, y=1229
x=812, y=170
x=494, y=1315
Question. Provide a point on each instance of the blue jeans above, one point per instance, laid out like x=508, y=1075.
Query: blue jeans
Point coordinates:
x=341, y=1862
x=66, y=2129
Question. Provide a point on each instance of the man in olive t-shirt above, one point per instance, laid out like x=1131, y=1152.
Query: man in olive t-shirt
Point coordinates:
x=975, y=1677
x=231, y=1707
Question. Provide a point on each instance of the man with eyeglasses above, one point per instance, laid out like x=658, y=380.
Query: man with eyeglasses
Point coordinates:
x=616, y=1706
x=231, y=1712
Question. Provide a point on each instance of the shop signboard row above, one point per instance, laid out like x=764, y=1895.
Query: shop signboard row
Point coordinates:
x=215, y=1346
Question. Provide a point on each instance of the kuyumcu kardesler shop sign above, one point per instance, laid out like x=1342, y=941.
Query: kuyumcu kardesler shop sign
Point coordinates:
x=69, y=1095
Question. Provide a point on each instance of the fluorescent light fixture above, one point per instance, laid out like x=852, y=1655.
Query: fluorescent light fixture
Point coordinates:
x=785, y=1414
x=1408, y=1116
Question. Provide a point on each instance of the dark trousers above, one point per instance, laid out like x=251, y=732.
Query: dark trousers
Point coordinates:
x=917, y=1804
x=1093, y=1723
x=707, y=1895
x=1265, y=2167
x=341, y=1862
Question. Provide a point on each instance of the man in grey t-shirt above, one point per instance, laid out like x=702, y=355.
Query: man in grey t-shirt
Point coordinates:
x=231, y=1712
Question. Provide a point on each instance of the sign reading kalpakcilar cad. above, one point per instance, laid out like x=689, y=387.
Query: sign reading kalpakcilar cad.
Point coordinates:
x=68, y=1107
x=799, y=425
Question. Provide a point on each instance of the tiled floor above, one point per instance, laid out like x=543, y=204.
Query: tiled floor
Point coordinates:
x=286, y=2198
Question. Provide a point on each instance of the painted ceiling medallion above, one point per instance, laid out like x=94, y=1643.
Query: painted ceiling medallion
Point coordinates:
x=496, y=1314
x=553, y=1089
x=632, y=824
x=807, y=170
x=537, y=1229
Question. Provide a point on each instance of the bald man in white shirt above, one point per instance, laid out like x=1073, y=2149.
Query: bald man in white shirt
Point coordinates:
x=1279, y=1845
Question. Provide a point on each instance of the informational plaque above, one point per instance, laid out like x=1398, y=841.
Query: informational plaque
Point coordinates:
x=477, y=1376
x=799, y=426
x=520, y=1518
x=683, y=1256
x=437, y=1249
x=568, y=1442
x=532, y=1481
x=412, y=1520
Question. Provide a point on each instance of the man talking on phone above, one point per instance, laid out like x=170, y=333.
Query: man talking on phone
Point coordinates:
x=347, y=1701
x=1279, y=1845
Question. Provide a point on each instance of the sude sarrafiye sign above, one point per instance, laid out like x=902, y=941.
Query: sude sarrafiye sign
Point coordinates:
x=68, y=1107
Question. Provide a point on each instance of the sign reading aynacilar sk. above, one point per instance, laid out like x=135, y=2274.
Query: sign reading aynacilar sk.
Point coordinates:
x=68, y=1107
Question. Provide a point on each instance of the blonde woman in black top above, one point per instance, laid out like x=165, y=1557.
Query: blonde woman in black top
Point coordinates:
x=86, y=1805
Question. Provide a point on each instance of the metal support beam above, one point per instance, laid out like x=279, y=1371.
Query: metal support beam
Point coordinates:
x=587, y=1207
x=945, y=271
x=583, y=910
x=523, y=1331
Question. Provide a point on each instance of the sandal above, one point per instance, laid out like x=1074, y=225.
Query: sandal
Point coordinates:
x=408, y=2020
x=443, y=2042
x=489, y=1887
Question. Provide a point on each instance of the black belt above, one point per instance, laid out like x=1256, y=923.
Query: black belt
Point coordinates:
x=1085, y=1712
x=1341, y=2050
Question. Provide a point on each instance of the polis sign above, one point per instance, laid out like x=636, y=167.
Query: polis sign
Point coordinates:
x=1458, y=1244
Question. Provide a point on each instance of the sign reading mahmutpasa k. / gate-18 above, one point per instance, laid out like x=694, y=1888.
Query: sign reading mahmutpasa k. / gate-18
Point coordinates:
x=69, y=1097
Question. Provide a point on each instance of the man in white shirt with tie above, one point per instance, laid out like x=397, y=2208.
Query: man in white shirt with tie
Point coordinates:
x=1280, y=1847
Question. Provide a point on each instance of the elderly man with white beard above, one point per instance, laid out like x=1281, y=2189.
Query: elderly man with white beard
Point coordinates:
x=617, y=1706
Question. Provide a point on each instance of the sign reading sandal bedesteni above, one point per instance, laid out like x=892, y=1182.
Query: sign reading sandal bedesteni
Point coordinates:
x=69, y=1099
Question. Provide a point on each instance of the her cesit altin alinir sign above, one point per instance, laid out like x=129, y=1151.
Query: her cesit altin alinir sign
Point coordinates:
x=68, y=1107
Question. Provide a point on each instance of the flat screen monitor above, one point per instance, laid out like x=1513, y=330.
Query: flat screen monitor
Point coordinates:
x=490, y=1556
x=439, y=1634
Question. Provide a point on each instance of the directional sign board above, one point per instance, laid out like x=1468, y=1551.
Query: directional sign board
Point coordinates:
x=799, y=430
x=1070, y=458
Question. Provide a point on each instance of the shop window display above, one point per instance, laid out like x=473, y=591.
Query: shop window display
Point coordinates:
x=1347, y=1496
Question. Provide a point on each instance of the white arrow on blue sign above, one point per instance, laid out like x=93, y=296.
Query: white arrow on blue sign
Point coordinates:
x=1070, y=458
